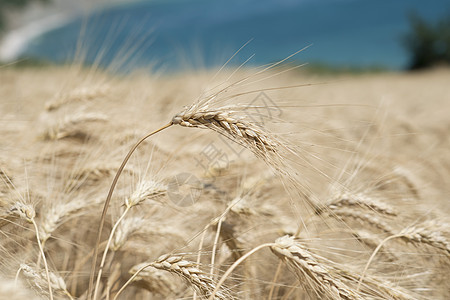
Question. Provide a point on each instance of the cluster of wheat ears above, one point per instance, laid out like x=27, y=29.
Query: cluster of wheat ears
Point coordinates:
x=302, y=198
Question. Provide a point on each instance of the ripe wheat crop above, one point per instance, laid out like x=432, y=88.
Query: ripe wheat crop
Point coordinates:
x=277, y=185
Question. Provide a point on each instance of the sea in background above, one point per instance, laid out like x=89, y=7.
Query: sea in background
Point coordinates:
x=174, y=35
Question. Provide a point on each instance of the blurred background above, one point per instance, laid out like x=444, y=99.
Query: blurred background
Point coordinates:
x=175, y=35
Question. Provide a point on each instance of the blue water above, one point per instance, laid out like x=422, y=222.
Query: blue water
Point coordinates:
x=173, y=35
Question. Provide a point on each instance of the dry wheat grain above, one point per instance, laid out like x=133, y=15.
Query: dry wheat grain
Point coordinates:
x=39, y=280
x=311, y=272
x=154, y=280
x=68, y=126
x=189, y=271
x=358, y=200
x=236, y=129
x=429, y=233
x=83, y=93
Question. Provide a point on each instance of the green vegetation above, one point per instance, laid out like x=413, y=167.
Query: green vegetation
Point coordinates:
x=8, y=5
x=428, y=44
x=321, y=68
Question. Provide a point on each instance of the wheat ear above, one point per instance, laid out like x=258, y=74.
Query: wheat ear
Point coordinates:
x=236, y=129
x=66, y=127
x=189, y=271
x=201, y=281
x=153, y=280
x=146, y=189
x=370, y=219
x=428, y=233
x=310, y=270
x=40, y=279
x=76, y=95
x=347, y=200
x=28, y=213
x=415, y=234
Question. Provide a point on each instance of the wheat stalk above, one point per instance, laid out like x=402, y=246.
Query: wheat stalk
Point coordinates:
x=106, y=205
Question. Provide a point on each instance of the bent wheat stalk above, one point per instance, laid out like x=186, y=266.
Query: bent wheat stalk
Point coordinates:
x=108, y=200
x=222, y=121
x=105, y=253
x=234, y=266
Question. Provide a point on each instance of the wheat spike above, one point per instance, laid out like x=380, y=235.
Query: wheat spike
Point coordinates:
x=236, y=129
x=189, y=271
x=56, y=213
x=145, y=190
x=24, y=211
x=39, y=280
x=125, y=229
x=76, y=95
x=14, y=290
x=311, y=271
x=329, y=279
x=359, y=200
x=428, y=233
x=67, y=127
x=154, y=280
x=369, y=219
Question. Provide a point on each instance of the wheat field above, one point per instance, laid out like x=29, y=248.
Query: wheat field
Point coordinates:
x=268, y=183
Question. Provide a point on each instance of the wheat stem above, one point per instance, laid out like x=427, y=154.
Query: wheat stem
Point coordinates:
x=234, y=266
x=274, y=280
x=290, y=292
x=199, y=255
x=216, y=241
x=372, y=257
x=102, y=263
x=16, y=278
x=66, y=292
x=106, y=205
x=131, y=279
x=43, y=258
